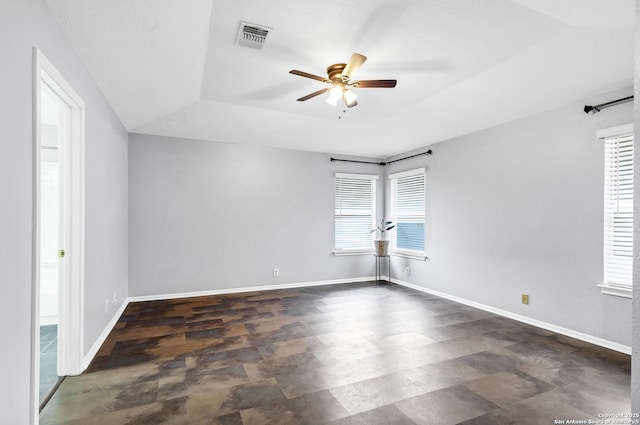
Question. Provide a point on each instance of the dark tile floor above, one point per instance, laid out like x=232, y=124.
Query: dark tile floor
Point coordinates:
x=353, y=354
x=48, y=360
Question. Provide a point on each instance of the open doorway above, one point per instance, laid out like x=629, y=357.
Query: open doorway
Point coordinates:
x=58, y=256
x=54, y=123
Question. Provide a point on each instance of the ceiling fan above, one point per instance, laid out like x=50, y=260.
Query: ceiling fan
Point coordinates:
x=340, y=80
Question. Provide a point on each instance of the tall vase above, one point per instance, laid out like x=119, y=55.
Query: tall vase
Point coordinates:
x=382, y=248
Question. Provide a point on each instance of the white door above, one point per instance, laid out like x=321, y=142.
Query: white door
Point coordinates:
x=58, y=261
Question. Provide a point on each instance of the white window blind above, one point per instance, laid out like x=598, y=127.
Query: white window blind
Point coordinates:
x=355, y=206
x=618, y=211
x=408, y=209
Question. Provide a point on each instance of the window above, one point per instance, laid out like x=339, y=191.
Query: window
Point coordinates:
x=354, y=213
x=408, y=211
x=618, y=213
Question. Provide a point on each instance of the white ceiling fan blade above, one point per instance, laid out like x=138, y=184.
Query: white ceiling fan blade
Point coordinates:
x=353, y=66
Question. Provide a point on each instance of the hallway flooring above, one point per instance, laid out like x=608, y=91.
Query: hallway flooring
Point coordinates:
x=48, y=360
x=350, y=354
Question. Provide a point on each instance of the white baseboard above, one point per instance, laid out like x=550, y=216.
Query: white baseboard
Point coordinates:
x=247, y=289
x=48, y=320
x=88, y=358
x=538, y=323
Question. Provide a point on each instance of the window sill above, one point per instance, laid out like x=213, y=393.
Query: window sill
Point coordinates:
x=345, y=252
x=414, y=255
x=616, y=291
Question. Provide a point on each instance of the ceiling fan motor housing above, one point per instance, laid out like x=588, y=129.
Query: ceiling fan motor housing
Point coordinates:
x=335, y=72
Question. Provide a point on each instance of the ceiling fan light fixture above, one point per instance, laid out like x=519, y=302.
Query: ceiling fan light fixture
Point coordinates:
x=334, y=94
x=349, y=98
x=333, y=101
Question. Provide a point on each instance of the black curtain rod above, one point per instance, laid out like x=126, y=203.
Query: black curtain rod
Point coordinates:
x=359, y=162
x=597, y=108
x=412, y=156
x=382, y=164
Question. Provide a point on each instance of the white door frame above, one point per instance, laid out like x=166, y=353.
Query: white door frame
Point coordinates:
x=71, y=295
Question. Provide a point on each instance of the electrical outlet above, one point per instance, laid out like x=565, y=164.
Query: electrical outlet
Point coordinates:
x=525, y=299
x=407, y=271
x=106, y=305
x=276, y=272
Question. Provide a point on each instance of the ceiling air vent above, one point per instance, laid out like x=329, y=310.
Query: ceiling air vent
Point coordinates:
x=252, y=35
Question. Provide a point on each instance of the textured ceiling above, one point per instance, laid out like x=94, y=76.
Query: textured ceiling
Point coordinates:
x=173, y=67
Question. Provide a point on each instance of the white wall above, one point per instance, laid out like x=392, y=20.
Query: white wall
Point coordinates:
x=510, y=210
x=518, y=209
x=23, y=25
x=206, y=216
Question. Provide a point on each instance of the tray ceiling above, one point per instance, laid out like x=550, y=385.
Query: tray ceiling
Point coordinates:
x=174, y=68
